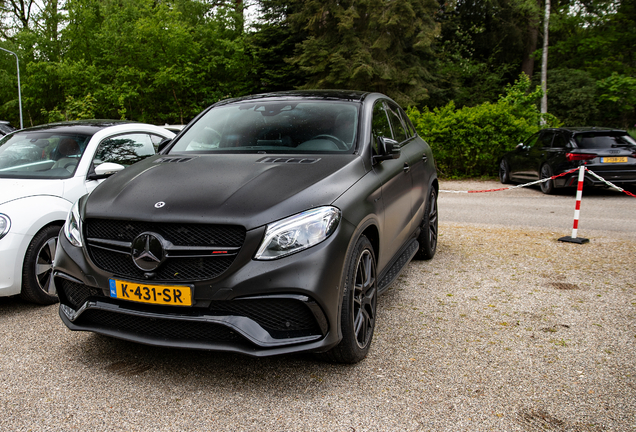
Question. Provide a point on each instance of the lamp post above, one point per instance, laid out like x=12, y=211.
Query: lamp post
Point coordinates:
x=19, y=92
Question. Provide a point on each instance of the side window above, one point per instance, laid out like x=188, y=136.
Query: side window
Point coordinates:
x=397, y=123
x=546, y=139
x=559, y=141
x=410, y=129
x=156, y=139
x=380, y=124
x=531, y=141
x=124, y=149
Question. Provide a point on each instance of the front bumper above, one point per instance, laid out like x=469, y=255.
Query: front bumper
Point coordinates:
x=12, y=249
x=258, y=308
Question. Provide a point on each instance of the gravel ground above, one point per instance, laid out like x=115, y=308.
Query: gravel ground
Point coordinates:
x=504, y=330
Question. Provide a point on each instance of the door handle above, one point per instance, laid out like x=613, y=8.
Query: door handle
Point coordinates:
x=406, y=168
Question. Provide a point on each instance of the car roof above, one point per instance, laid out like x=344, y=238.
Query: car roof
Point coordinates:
x=580, y=130
x=86, y=127
x=344, y=95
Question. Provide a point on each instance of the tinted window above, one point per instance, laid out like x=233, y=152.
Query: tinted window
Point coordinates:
x=546, y=139
x=531, y=141
x=380, y=124
x=598, y=141
x=559, y=141
x=274, y=127
x=41, y=154
x=124, y=149
x=397, y=124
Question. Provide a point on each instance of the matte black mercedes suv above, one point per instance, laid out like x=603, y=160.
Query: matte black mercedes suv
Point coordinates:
x=269, y=225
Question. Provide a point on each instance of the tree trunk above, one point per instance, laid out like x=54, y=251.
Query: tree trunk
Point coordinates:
x=544, y=60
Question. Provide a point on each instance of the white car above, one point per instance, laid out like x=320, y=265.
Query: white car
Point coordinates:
x=43, y=171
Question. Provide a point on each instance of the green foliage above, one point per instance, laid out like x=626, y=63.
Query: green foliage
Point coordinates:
x=367, y=45
x=75, y=109
x=467, y=142
x=572, y=96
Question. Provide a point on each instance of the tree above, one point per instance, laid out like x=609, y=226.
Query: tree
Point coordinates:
x=367, y=45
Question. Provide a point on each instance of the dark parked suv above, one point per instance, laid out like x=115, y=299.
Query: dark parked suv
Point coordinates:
x=610, y=153
x=269, y=225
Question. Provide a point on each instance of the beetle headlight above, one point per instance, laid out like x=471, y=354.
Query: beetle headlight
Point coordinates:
x=5, y=224
x=298, y=232
x=72, y=227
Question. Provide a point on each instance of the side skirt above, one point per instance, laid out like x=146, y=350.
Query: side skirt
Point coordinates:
x=398, y=265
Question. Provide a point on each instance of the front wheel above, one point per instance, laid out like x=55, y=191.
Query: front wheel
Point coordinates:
x=504, y=172
x=547, y=187
x=358, y=305
x=428, y=234
x=37, y=268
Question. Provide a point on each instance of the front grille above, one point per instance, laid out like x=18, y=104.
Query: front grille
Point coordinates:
x=157, y=327
x=178, y=234
x=174, y=269
x=117, y=259
x=75, y=294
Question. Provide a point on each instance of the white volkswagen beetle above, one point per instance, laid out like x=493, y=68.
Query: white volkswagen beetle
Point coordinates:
x=43, y=171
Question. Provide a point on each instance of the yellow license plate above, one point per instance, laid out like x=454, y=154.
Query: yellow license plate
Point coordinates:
x=614, y=159
x=155, y=294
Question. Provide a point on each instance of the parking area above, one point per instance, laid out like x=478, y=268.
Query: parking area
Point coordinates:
x=505, y=329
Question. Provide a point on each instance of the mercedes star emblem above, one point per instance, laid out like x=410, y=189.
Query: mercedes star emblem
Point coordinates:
x=147, y=251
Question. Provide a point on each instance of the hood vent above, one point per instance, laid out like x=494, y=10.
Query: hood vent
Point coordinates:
x=173, y=159
x=288, y=160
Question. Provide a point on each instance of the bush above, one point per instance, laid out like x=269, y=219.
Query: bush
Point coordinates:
x=468, y=142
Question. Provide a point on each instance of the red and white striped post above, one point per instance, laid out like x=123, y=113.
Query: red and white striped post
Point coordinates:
x=577, y=210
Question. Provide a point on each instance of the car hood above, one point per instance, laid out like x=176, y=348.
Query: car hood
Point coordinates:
x=13, y=189
x=249, y=190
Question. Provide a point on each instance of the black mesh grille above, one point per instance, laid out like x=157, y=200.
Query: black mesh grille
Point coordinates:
x=75, y=294
x=178, y=234
x=159, y=328
x=280, y=317
x=173, y=269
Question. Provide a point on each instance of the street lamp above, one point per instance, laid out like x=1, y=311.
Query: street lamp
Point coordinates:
x=19, y=92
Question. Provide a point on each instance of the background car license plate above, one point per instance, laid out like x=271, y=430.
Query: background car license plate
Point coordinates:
x=156, y=294
x=614, y=159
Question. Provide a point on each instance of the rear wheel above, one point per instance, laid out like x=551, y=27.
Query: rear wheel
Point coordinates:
x=428, y=234
x=37, y=268
x=547, y=187
x=358, y=306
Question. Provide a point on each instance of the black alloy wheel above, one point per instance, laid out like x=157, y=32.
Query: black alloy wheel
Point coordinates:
x=504, y=172
x=429, y=230
x=38, y=267
x=358, y=306
x=547, y=187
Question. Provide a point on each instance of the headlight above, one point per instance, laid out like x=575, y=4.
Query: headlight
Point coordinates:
x=5, y=224
x=298, y=232
x=72, y=227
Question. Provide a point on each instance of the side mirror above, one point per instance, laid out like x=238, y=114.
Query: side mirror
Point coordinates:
x=387, y=149
x=163, y=144
x=519, y=146
x=104, y=170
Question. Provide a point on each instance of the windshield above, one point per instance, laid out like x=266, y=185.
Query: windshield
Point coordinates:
x=274, y=127
x=41, y=154
x=597, y=141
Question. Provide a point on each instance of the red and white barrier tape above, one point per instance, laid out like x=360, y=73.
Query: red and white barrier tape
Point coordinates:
x=543, y=181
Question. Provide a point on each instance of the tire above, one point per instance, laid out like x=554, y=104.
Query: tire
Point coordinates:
x=38, y=266
x=504, y=172
x=359, y=305
x=548, y=186
x=428, y=234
